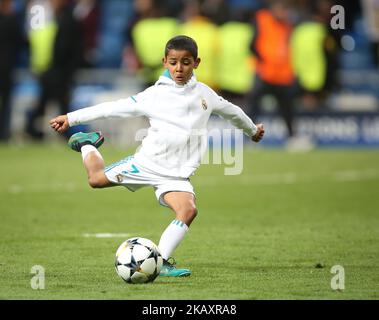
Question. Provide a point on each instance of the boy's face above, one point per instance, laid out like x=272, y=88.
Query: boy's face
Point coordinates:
x=180, y=64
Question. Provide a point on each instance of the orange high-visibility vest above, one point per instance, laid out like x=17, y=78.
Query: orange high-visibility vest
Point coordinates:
x=273, y=46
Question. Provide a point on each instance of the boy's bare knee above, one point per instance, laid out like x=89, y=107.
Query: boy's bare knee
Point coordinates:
x=187, y=214
x=97, y=181
x=94, y=183
x=183, y=204
x=193, y=212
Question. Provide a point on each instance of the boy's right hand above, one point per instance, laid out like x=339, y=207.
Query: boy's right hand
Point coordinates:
x=60, y=123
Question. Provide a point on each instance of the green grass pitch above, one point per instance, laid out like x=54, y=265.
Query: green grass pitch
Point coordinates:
x=273, y=232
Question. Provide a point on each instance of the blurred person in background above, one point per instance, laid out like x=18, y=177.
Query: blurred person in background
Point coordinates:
x=217, y=10
x=314, y=55
x=274, y=72
x=145, y=38
x=56, y=52
x=174, y=7
x=370, y=9
x=11, y=41
x=197, y=25
x=87, y=12
x=235, y=64
x=245, y=4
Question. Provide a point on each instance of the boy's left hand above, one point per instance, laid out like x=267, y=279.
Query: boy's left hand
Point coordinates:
x=260, y=133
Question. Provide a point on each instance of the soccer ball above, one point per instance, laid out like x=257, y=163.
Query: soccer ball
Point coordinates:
x=138, y=260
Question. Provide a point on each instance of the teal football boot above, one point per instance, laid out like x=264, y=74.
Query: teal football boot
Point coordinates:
x=169, y=270
x=80, y=139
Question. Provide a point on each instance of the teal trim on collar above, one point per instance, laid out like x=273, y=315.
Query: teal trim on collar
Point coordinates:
x=166, y=73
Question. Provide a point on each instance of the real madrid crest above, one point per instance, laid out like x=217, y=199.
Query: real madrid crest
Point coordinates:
x=204, y=104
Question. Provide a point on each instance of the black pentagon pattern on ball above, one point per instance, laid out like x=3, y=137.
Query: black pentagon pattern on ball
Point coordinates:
x=133, y=265
x=153, y=254
x=133, y=242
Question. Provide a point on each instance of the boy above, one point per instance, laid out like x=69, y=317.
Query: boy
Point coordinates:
x=176, y=106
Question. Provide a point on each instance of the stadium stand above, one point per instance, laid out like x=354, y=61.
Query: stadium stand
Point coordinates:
x=354, y=104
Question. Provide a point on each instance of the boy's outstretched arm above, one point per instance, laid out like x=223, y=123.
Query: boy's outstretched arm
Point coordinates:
x=119, y=108
x=236, y=116
x=60, y=123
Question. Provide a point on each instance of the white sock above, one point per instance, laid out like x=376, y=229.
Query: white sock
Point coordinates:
x=86, y=149
x=171, y=238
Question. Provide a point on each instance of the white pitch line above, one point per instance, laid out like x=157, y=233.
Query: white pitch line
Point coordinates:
x=345, y=176
x=106, y=235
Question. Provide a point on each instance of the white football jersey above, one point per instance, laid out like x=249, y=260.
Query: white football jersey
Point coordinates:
x=178, y=116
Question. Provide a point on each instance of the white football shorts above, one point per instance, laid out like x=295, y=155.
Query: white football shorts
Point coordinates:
x=134, y=176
